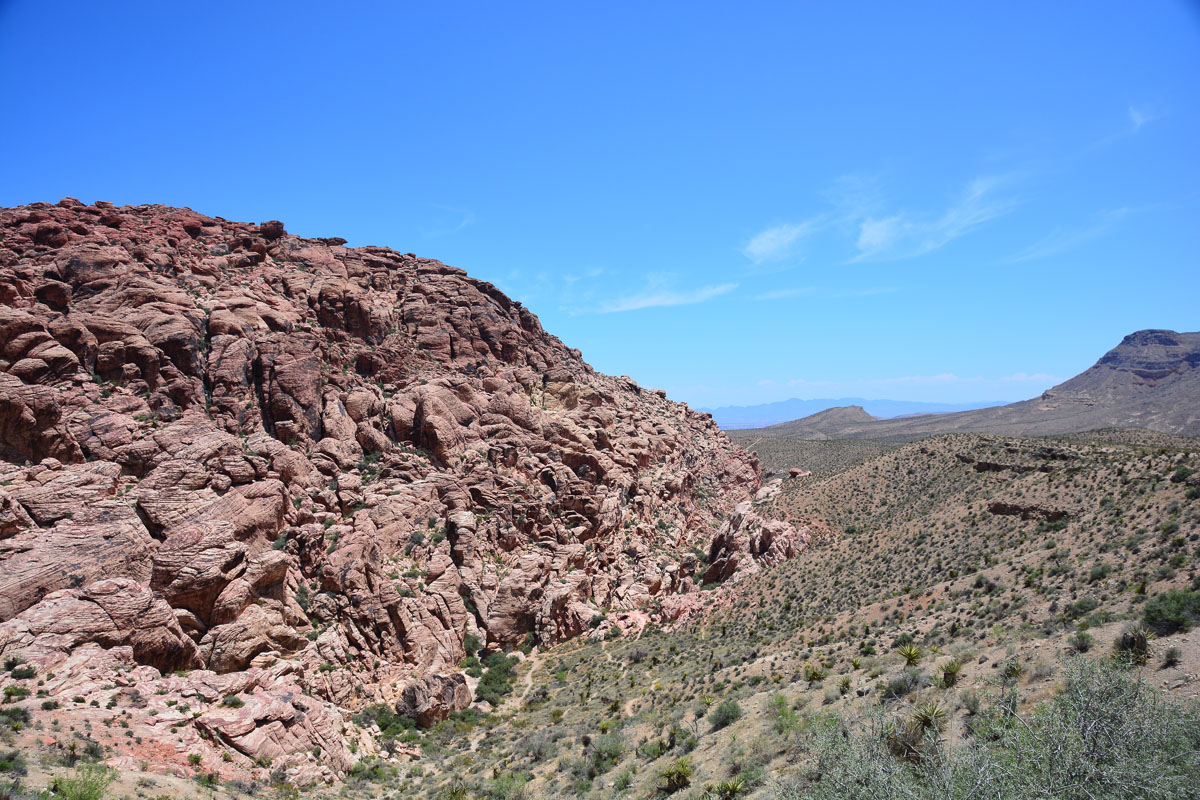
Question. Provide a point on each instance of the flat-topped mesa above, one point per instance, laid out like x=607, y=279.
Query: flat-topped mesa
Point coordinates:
x=324, y=462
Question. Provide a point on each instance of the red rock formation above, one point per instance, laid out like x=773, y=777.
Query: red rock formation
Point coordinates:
x=251, y=449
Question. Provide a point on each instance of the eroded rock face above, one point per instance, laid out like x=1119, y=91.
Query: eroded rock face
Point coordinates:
x=227, y=448
x=431, y=699
x=112, y=613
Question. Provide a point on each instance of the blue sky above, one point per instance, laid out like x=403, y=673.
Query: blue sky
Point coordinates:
x=738, y=203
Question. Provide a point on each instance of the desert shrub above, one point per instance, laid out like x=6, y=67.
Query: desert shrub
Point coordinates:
x=905, y=683
x=370, y=770
x=505, y=786
x=472, y=645
x=1082, y=607
x=15, y=693
x=12, y=762
x=653, y=749
x=605, y=751
x=1172, y=657
x=23, y=673
x=496, y=683
x=1081, y=641
x=391, y=725
x=784, y=717
x=472, y=666
x=1107, y=735
x=724, y=714
x=87, y=782
x=536, y=747
x=1172, y=611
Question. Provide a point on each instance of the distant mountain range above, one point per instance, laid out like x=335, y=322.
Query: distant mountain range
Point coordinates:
x=758, y=416
x=1150, y=380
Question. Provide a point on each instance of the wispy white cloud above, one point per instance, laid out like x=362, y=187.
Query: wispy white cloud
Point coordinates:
x=786, y=294
x=1060, y=240
x=905, y=235
x=780, y=242
x=1139, y=116
x=450, y=220
x=657, y=297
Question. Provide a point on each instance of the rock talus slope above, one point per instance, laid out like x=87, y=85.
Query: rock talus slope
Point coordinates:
x=305, y=473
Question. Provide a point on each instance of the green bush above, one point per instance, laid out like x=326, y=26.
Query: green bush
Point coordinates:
x=15, y=693
x=88, y=782
x=1106, y=736
x=724, y=714
x=1082, y=607
x=496, y=683
x=1081, y=641
x=472, y=645
x=605, y=752
x=391, y=724
x=12, y=762
x=1172, y=611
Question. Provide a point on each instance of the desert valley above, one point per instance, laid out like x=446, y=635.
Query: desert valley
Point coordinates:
x=282, y=517
x=599, y=401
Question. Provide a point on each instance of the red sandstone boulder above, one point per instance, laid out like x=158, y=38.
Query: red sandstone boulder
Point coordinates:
x=431, y=699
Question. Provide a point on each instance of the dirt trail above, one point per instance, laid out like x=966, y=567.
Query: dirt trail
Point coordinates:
x=535, y=662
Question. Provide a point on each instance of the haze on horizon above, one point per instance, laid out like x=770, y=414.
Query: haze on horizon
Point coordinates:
x=945, y=203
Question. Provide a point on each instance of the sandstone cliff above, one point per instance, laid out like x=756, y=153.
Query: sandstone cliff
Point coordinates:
x=303, y=473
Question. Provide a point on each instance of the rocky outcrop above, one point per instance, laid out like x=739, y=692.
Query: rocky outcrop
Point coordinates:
x=747, y=540
x=112, y=613
x=431, y=699
x=231, y=449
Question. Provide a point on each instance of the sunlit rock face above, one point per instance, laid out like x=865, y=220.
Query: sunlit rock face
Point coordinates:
x=311, y=471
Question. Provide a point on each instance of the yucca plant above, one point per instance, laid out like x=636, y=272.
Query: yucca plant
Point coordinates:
x=812, y=674
x=677, y=776
x=727, y=790
x=911, y=654
x=1134, y=644
x=928, y=717
x=844, y=685
x=950, y=672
